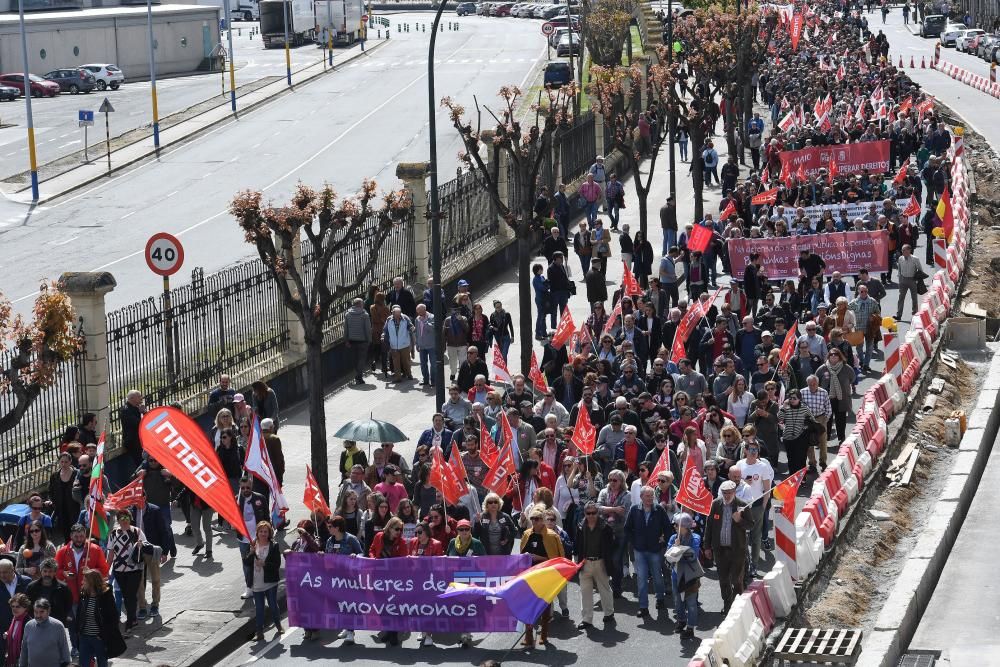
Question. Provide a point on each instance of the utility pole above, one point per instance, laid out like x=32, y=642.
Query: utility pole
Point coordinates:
x=672, y=117
x=435, y=221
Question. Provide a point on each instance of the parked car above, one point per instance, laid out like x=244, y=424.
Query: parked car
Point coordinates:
x=38, y=85
x=569, y=44
x=465, y=8
x=557, y=35
x=503, y=9
x=107, y=75
x=950, y=33
x=551, y=10
x=933, y=25
x=557, y=73
x=964, y=40
x=8, y=93
x=986, y=45
x=563, y=21
x=73, y=80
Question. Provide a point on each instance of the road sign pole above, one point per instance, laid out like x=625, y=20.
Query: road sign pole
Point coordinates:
x=288, y=54
x=107, y=137
x=152, y=78
x=168, y=331
x=32, y=158
x=86, y=157
x=232, y=55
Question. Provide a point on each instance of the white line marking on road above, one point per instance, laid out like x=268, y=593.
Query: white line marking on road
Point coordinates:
x=127, y=215
x=271, y=644
x=171, y=194
x=65, y=241
x=63, y=136
x=256, y=145
x=71, y=143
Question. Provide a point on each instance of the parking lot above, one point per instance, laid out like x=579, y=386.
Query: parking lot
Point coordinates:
x=57, y=132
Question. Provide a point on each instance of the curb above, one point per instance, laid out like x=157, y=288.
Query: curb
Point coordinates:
x=180, y=141
x=904, y=608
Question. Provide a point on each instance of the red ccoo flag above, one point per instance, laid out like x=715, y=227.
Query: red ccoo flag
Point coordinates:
x=313, y=498
x=488, y=449
x=901, y=174
x=786, y=492
x=693, y=493
x=500, y=371
x=728, y=211
x=913, y=208
x=536, y=376
x=615, y=314
x=565, y=329
x=766, y=197
x=444, y=479
x=699, y=239
x=457, y=466
x=127, y=496
x=788, y=346
x=801, y=173
x=630, y=286
x=501, y=474
x=584, y=433
x=662, y=465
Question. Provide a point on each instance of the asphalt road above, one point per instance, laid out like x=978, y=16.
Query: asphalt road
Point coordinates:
x=353, y=124
x=979, y=109
x=56, y=129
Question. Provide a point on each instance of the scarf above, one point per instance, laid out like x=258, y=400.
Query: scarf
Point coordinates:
x=836, y=393
x=460, y=549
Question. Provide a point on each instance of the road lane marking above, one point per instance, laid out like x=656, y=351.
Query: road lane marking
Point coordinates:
x=127, y=215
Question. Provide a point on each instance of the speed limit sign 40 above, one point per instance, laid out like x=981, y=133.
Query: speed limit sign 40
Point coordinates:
x=548, y=28
x=164, y=254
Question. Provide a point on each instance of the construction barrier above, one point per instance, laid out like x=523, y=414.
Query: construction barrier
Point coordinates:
x=984, y=84
x=890, y=341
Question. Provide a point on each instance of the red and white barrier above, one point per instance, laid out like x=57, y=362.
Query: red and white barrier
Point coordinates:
x=780, y=590
x=890, y=342
x=967, y=77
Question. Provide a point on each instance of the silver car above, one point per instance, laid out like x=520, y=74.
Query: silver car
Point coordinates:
x=107, y=75
x=951, y=32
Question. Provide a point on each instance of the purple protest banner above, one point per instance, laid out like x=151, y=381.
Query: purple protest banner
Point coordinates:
x=334, y=592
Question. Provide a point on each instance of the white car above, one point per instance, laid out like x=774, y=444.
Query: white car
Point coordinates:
x=107, y=75
x=964, y=41
x=952, y=32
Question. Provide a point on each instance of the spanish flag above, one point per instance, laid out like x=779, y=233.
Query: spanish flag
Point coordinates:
x=944, y=214
x=529, y=593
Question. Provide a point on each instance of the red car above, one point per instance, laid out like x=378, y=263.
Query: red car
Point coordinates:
x=504, y=9
x=39, y=86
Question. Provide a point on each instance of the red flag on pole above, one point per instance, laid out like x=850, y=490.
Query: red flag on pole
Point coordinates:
x=726, y=212
x=615, y=314
x=584, y=433
x=901, y=174
x=662, y=465
x=488, y=449
x=788, y=346
x=313, y=498
x=796, y=31
x=500, y=371
x=501, y=474
x=801, y=173
x=913, y=208
x=786, y=492
x=132, y=494
x=766, y=197
x=630, y=286
x=699, y=239
x=536, y=376
x=693, y=493
x=444, y=479
x=457, y=466
x=565, y=329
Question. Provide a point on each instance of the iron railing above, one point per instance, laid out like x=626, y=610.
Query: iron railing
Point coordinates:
x=29, y=451
x=396, y=257
x=174, y=350
x=577, y=147
x=467, y=213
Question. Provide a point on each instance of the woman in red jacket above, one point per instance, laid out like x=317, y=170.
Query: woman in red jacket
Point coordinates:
x=422, y=544
x=441, y=526
x=389, y=543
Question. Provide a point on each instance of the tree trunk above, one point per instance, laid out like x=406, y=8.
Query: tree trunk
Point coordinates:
x=730, y=126
x=524, y=295
x=317, y=412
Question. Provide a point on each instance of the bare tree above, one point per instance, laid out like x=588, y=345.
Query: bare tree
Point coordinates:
x=331, y=226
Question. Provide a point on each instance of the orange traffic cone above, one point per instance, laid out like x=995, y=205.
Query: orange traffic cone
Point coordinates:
x=912, y=66
x=923, y=63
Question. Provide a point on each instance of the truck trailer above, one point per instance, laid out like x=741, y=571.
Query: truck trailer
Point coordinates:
x=343, y=17
x=301, y=22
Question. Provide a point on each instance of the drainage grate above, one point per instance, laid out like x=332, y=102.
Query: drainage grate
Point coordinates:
x=917, y=660
x=831, y=647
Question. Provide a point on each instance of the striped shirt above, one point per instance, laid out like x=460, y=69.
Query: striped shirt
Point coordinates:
x=794, y=420
x=818, y=402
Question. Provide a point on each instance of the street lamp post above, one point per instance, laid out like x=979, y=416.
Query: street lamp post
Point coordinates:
x=288, y=54
x=152, y=75
x=232, y=65
x=672, y=118
x=439, y=389
x=27, y=102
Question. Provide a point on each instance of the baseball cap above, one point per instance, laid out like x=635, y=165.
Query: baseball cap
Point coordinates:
x=464, y=523
x=463, y=283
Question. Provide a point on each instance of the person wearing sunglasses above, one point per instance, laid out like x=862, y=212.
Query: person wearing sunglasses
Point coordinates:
x=18, y=615
x=34, y=550
x=594, y=548
x=494, y=527
x=389, y=543
x=541, y=544
x=37, y=513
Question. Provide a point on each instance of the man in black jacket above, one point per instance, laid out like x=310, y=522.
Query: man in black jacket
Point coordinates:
x=130, y=415
x=594, y=546
x=751, y=283
x=255, y=505
x=559, y=282
x=726, y=541
x=470, y=368
x=400, y=296
x=56, y=592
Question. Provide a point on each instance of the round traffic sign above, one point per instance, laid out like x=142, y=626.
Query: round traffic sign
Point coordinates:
x=164, y=254
x=548, y=28
x=364, y=19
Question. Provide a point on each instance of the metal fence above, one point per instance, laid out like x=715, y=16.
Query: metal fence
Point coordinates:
x=395, y=258
x=577, y=147
x=29, y=451
x=468, y=214
x=174, y=350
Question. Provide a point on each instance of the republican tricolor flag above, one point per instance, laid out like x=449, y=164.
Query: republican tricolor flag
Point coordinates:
x=944, y=214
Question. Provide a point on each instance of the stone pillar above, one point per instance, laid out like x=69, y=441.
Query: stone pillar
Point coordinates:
x=87, y=292
x=503, y=183
x=296, y=334
x=414, y=177
x=643, y=62
x=598, y=127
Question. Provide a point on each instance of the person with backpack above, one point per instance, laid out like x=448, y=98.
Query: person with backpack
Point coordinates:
x=600, y=174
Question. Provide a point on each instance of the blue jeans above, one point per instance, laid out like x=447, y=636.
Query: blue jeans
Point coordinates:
x=686, y=608
x=428, y=359
x=591, y=212
x=93, y=648
x=540, y=319
x=864, y=353
x=271, y=597
x=584, y=264
x=613, y=214
x=648, y=563
x=504, y=343
x=560, y=298
x=617, y=563
x=684, y=150
x=669, y=239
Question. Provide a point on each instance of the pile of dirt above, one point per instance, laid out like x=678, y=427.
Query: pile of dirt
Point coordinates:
x=983, y=266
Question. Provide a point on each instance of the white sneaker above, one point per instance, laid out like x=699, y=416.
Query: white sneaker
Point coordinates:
x=348, y=636
x=426, y=640
x=247, y=594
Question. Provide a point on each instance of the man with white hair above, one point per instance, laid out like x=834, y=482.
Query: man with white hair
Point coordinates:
x=398, y=335
x=726, y=540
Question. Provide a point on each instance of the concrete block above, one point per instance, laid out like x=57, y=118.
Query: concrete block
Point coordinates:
x=938, y=535
x=988, y=398
x=953, y=487
x=964, y=463
x=979, y=418
x=909, y=597
x=880, y=649
x=973, y=439
x=992, y=382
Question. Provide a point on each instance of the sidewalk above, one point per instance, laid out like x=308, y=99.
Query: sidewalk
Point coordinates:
x=170, y=137
x=199, y=617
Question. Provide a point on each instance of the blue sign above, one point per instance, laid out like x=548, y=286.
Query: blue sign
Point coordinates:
x=86, y=117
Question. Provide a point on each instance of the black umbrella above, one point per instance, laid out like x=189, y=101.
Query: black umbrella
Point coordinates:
x=370, y=430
